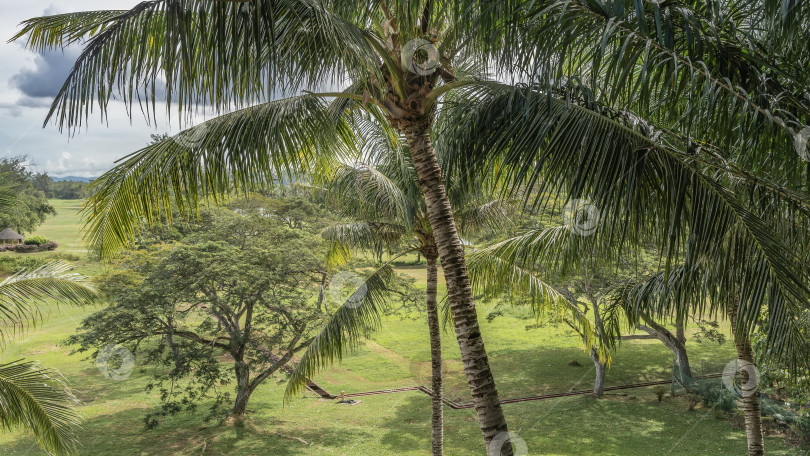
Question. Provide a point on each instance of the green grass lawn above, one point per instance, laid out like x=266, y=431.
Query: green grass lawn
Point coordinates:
x=525, y=362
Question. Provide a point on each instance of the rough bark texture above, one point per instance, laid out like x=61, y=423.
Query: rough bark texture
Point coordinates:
x=451, y=252
x=437, y=421
x=242, y=390
x=753, y=416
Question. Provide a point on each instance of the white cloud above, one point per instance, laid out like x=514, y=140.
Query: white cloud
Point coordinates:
x=83, y=167
x=32, y=80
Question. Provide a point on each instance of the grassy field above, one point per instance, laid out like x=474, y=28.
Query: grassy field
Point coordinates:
x=525, y=362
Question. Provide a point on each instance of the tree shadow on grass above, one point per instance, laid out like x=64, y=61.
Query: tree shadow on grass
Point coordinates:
x=187, y=434
x=549, y=371
x=627, y=423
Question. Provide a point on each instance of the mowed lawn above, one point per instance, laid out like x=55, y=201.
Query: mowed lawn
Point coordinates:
x=65, y=227
x=525, y=362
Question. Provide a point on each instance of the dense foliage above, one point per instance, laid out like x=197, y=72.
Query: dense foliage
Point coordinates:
x=238, y=289
x=227, y=299
x=30, y=208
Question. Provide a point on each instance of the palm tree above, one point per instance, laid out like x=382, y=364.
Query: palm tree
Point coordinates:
x=237, y=54
x=697, y=288
x=684, y=123
x=675, y=102
x=382, y=195
x=648, y=191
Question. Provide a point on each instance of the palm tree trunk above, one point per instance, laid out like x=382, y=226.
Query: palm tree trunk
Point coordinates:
x=750, y=400
x=322, y=294
x=437, y=420
x=599, y=382
x=459, y=292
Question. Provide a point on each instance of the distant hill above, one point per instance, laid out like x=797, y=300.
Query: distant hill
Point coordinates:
x=73, y=179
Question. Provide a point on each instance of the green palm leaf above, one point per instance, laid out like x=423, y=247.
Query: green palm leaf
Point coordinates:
x=8, y=192
x=646, y=190
x=206, y=52
x=50, y=281
x=718, y=76
x=247, y=150
x=37, y=398
x=354, y=320
x=494, y=275
x=61, y=30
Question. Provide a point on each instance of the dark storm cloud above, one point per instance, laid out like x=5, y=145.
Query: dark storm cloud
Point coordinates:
x=42, y=83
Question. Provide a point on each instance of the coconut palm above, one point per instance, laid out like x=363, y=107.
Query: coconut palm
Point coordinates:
x=648, y=191
x=674, y=111
x=697, y=288
x=382, y=195
x=236, y=55
x=677, y=100
x=724, y=86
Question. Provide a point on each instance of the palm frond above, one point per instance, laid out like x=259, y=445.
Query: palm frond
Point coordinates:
x=247, y=150
x=8, y=192
x=364, y=191
x=36, y=398
x=61, y=30
x=720, y=81
x=498, y=271
x=205, y=53
x=20, y=292
x=354, y=320
x=493, y=214
x=364, y=235
x=646, y=189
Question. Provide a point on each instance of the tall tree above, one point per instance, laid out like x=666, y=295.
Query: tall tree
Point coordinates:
x=30, y=208
x=381, y=195
x=240, y=285
x=394, y=60
x=645, y=108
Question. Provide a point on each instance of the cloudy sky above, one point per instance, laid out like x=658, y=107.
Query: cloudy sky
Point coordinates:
x=28, y=83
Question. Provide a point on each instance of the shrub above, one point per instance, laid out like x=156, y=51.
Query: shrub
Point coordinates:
x=12, y=264
x=65, y=256
x=48, y=245
x=36, y=240
x=715, y=394
x=659, y=393
x=31, y=248
x=802, y=426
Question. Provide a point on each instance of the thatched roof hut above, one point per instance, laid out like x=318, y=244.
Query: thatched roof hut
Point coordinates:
x=9, y=236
